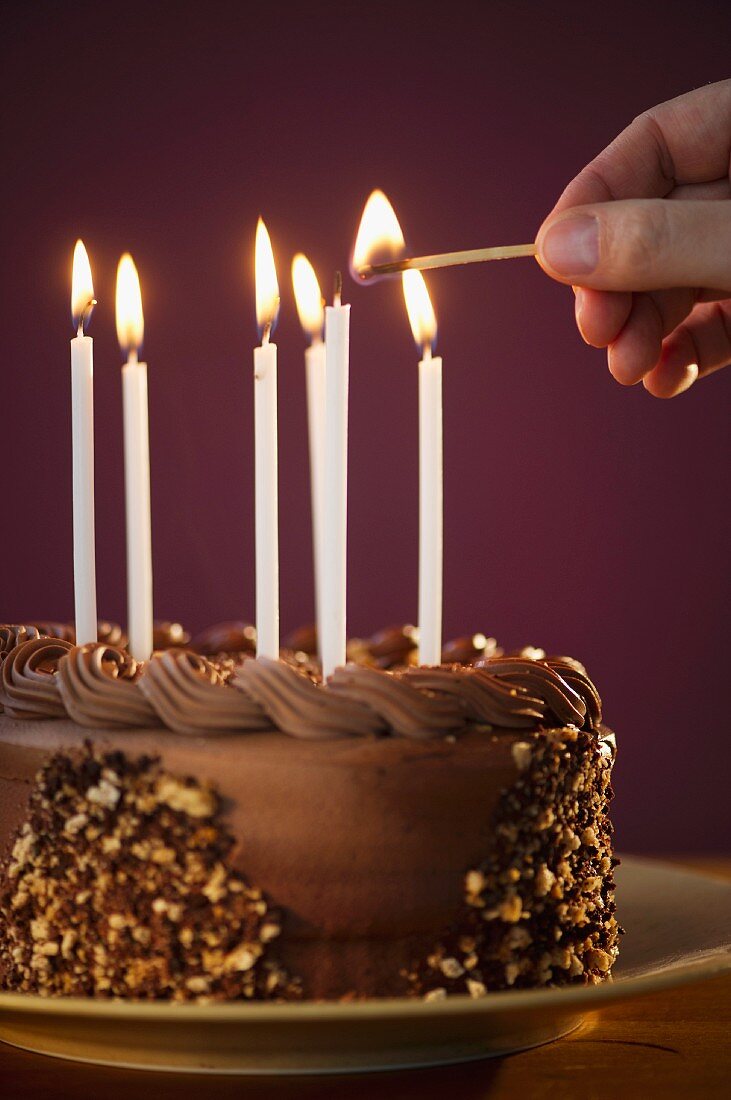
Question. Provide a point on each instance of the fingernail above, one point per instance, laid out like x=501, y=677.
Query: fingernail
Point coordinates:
x=571, y=245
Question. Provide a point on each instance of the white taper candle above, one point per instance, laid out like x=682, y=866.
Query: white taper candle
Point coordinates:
x=130, y=334
x=337, y=342
x=424, y=328
x=266, y=501
x=266, y=510
x=430, y=510
x=82, y=440
x=308, y=296
x=137, y=502
x=315, y=377
x=82, y=445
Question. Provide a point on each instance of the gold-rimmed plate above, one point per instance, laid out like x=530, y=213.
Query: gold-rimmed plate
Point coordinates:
x=678, y=930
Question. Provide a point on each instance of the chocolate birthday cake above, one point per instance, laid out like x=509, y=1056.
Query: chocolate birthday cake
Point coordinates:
x=207, y=826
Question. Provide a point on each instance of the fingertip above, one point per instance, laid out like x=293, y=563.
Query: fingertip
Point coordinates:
x=638, y=348
x=666, y=384
x=675, y=373
x=619, y=369
x=601, y=315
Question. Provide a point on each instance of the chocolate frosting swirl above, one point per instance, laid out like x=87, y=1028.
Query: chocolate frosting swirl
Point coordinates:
x=99, y=685
x=518, y=692
x=391, y=647
x=484, y=698
x=576, y=676
x=166, y=635
x=405, y=709
x=302, y=640
x=396, y=647
x=563, y=704
x=50, y=629
x=527, y=652
x=230, y=637
x=109, y=634
x=190, y=695
x=12, y=634
x=106, y=631
x=29, y=686
x=300, y=707
x=468, y=649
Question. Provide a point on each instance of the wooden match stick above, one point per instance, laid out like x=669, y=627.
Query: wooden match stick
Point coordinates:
x=449, y=259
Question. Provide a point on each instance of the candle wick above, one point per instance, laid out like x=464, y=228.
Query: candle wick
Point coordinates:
x=426, y=351
x=338, y=293
x=85, y=316
x=268, y=325
x=132, y=356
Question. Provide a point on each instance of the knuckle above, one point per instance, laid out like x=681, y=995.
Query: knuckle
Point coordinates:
x=638, y=240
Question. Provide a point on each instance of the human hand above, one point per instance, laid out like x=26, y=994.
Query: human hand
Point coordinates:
x=643, y=234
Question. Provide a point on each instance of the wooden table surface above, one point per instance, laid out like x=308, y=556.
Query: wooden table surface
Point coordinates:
x=672, y=1044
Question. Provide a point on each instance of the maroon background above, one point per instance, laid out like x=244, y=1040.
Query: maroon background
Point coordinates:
x=579, y=515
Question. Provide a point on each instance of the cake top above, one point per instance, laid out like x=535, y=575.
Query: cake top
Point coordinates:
x=212, y=685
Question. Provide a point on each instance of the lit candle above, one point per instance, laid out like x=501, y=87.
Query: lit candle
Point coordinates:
x=424, y=327
x=311, y=314
x=337, y=348
x=380, y=240
x=130, y=333
x=82, y=441
x=265, y=450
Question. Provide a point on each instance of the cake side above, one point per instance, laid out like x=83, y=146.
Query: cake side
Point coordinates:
x=412, y=830
x=119, y=884
x=540, y=909
x=368, y=851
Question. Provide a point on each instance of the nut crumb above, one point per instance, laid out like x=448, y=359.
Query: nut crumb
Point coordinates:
x=521, y=752
x=450, y=968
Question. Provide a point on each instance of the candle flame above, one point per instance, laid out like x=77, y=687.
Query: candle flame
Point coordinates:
x=308, y=296
x=267, y=286
x=419, y=308
x=82, y=287
x=130, y=321
x=379, y=238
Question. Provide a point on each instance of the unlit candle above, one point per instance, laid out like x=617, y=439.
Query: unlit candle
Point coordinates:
x=337, y=348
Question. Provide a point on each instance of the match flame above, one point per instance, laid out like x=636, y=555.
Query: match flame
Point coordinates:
x=379, y=238
x=82, y=287
x=420, y=310
x=308, y=296
x=267, y=286
x=130, y=321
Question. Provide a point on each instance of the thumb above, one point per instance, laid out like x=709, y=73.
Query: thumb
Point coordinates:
x=639, y=244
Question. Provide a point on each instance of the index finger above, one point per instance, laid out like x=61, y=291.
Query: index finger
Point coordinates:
x=685, y=140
